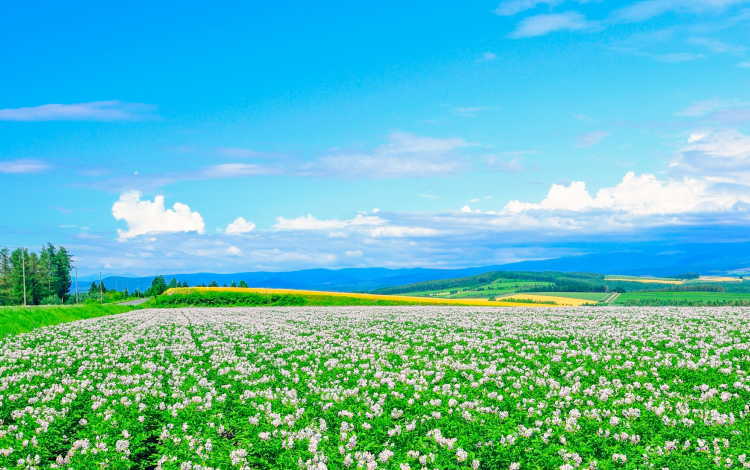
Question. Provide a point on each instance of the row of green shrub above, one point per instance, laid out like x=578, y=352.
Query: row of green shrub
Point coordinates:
x=225, y=299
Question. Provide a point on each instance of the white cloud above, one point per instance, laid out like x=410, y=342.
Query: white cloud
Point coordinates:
x=635, y=195
x=93, y=111
x=539, y=25
x=720, y=156
x=513, y=7
x=308, y=222
x=363, y=224
x=718, y=110
x=715, y=45
x=23, y=166
x=232, y=170
x=744, y=65
x=592, y=138
x=239, y=226
x=353, y=253
x=487, y=57
x=234, y=251
x=676, y=57
x=470, y=111
x=405, y=155
x=398, y=231
x=648, y=9
x=511, y=165
x=701, y=108
x=236, y=152
x=151, y=217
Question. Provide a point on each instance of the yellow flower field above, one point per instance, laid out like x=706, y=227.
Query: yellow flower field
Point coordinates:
x=562, y=301
x=404, y=298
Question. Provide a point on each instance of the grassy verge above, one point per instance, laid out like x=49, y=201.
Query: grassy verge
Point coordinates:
x=15, y=320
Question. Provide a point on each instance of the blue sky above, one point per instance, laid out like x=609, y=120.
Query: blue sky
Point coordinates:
x=293, y=135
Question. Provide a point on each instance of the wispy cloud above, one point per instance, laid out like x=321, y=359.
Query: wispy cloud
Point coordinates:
x=716, y=45
x=238, y=152
x=540, y=25
x=23, y=166
x=232, y=170
x=470, y=111
x=648, y=9
x=513, y=7
x=591, y=138
x=404, y=155
x=487, y=57
x=91, y=111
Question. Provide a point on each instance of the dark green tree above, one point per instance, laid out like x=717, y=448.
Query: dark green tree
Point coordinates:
x=61, y=267
x=5, y=284
x=158, y=286
x=243, y=284
x=173, y=283
x=213, y=284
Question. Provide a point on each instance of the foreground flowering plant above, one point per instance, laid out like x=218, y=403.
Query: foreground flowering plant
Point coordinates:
x=388, y=388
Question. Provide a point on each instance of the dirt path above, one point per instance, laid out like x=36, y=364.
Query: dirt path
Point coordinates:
x=134, y=302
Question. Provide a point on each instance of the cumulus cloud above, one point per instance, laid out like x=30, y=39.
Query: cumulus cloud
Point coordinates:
x=239, y=226
x=539, y=25
x=635, y=195
x=92, y=111
x=145, y=217
x=234, y=251
x=23, y=166
x=404, y=155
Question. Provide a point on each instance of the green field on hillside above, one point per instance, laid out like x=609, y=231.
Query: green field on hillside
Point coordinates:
x=15, y=320
x=682, y=298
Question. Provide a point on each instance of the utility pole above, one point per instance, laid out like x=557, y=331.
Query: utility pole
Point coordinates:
x=23, y=271
x=101, y=291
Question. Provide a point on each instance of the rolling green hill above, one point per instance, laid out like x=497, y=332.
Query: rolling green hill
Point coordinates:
x=688, y=290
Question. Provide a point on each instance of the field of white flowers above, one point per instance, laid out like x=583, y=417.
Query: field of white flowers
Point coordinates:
x=387, y=388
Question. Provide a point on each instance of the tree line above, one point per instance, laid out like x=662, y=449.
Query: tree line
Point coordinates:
x=35, y=278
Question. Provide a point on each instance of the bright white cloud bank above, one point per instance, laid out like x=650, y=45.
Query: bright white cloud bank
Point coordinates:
x=368, y=225
x=699, y=183
x=148, y=217
x=239, y=226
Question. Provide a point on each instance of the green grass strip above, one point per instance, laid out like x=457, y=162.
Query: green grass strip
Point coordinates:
x=14, y=320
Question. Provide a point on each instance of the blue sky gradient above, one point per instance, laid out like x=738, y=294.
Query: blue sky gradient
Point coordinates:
x=344, y=134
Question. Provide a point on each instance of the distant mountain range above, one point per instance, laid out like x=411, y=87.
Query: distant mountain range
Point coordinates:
x=644, y=260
